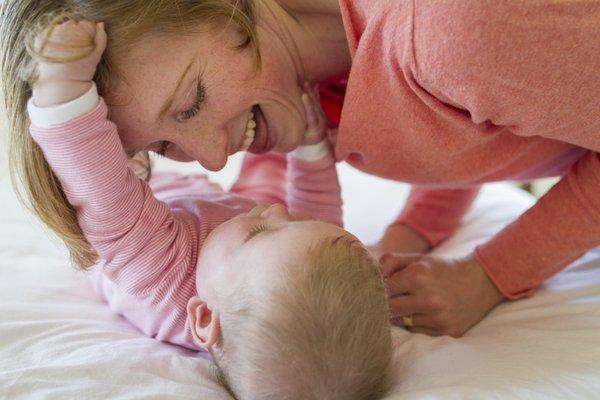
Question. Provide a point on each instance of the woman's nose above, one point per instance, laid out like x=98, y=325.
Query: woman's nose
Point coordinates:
x=275, y=211
x=210, y=150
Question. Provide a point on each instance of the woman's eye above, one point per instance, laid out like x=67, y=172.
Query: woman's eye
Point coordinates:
x=193, y=110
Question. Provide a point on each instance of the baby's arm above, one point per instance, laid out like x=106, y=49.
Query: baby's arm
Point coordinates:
x=147, y=249
x=262, y=178
x=313, y=188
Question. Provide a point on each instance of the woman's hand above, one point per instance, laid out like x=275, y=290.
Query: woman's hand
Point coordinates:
x=443, y=297
x=69, y=54
x=399, y=238
x=316, y=129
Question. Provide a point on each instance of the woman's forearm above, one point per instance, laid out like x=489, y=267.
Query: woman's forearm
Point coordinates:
x=401, y=238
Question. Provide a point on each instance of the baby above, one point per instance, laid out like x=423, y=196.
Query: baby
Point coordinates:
x=290, y=307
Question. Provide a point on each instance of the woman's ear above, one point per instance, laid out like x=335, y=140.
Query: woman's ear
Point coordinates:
x=204, y=323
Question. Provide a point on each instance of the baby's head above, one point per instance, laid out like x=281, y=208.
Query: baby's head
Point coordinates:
x=292, y=308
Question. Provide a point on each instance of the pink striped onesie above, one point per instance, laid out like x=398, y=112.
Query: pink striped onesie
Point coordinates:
x=148, y=237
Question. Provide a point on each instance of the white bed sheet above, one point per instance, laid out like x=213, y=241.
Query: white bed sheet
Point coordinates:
x=59, y=341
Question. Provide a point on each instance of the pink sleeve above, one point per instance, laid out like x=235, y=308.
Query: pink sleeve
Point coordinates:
x=436, y=213
x=559, y=228
x=262, y=178
x=148, y=249
x=532, y=66
x=313, y=189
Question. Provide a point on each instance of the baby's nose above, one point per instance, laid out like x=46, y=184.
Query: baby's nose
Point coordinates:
x=275, y=211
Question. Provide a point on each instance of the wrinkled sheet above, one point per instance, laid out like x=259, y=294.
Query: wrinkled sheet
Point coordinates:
x=59, y=341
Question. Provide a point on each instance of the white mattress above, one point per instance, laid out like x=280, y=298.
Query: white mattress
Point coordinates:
x=59, y=341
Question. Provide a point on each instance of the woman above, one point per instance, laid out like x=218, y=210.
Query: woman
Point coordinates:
x=444, y=95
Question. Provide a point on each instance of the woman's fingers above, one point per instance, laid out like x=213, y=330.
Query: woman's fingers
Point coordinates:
x=424, y=330
x=450, y=295
x=420, y=323
x=395, y=285
x=394, y=262
x=404, y=305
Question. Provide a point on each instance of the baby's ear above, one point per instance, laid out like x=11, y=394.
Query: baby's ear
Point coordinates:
x=204, y=323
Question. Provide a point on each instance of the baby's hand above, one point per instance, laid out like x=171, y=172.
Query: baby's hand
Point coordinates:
x=67, y=56
x=141, y=165
x=316, y=129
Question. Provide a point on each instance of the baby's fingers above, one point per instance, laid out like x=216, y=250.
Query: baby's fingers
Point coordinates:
x=100, y=38
x=314, y=109
x=316, y=128
x=73, y=34
x=67, y=40
x=311, y=118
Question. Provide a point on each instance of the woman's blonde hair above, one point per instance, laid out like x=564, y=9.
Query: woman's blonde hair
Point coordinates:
x=321, y=332
x=126, y=22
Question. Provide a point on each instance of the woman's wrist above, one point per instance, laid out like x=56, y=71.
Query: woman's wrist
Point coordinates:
x=490, y=294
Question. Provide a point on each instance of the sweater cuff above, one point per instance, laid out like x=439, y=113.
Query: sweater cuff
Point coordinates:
x=45, y=117
x=498, y=268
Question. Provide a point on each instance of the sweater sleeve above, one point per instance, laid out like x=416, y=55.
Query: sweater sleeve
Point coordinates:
x=559, y=228
x=147, y=248
x=312, y=183
x=436, y=213
x=539, y=78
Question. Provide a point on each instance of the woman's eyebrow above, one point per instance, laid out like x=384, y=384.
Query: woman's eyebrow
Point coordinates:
x=169, y=102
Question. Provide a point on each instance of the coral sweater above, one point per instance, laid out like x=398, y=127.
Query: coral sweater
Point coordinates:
x=447, y=95
x=148, y=237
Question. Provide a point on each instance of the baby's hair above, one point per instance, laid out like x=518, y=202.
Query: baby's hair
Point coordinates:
x=321, y=333
x=126, y=22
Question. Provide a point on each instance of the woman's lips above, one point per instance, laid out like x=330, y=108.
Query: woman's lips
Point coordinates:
x=265, y=139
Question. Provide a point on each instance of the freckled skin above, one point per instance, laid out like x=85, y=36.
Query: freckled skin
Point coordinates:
x=151, y=72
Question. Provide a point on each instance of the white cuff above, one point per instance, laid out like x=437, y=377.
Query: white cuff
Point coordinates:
x=45, y=117
x=312, y=152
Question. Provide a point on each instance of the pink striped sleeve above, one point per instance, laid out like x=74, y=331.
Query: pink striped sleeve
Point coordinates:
x=148, y=248
x=262, y=178
x=313, y=189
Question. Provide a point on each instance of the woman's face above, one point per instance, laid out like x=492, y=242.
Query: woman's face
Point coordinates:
x=190, y=97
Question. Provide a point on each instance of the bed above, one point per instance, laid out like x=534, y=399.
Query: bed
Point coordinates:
x=59, y=341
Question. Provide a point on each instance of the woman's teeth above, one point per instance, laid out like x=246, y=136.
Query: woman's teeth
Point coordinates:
x=250, y=133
